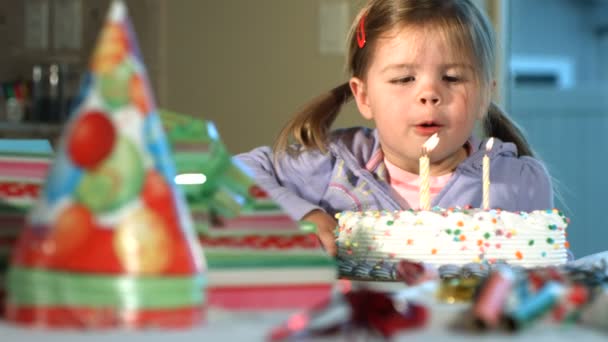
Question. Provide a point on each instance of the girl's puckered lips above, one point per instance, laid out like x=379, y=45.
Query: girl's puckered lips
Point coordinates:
x=428, y=128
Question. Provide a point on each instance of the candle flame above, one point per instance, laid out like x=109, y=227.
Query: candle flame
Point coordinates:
x=431, y=143
x=489, y=144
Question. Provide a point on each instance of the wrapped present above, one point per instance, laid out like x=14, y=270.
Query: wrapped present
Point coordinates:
x=262, y=259
x=23, y=168
x=258, y=257
x=24, y=164
x=596, y=313
x=212, y=180
x=352, y=314
x=514, y=298
x=535, y=306
x=110, y=241
x=489, y=306
x=459, y=284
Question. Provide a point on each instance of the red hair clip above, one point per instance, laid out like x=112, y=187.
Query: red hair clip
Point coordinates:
x=361, y=32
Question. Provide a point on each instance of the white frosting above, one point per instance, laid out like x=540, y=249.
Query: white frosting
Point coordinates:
x=454, y=236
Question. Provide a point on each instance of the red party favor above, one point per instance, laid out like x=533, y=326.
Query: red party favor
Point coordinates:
x=110, y=241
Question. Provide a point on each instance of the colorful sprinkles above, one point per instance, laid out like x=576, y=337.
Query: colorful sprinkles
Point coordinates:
x=474, y=231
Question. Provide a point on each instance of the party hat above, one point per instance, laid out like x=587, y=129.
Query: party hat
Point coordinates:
x=110, y=242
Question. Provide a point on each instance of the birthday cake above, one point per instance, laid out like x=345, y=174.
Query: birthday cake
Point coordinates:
x=371, y=243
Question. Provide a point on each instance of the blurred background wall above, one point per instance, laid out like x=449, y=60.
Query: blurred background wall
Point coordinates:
x=251, y=64
x=247, y=65
x=558, y=92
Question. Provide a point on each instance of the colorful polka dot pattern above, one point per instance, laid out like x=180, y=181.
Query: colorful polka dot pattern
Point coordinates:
x=109, y=236
x=455, y=235
x=111, y=187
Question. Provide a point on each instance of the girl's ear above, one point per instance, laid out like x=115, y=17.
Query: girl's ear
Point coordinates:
x=357, y=87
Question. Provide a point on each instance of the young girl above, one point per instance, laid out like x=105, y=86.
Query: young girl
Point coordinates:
x=418, y=67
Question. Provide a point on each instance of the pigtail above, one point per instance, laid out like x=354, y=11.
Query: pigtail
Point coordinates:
x=497, y=124
x=310, y=127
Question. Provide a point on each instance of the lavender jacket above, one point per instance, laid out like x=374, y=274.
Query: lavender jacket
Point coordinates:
x=348, y=177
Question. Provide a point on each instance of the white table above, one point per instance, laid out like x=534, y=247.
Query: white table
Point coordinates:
x=227, y=326
x=224, y=326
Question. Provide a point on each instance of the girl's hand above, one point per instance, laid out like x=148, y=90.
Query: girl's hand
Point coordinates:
x=325, y=229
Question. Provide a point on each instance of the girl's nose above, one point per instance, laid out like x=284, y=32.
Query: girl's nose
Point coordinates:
x=429, y=98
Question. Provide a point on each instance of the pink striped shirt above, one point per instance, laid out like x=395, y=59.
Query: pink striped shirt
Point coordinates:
x=406, y=187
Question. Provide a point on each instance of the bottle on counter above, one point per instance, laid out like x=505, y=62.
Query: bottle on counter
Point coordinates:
x=48, y=93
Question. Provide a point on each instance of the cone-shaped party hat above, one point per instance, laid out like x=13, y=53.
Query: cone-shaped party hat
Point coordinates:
x=110, y=242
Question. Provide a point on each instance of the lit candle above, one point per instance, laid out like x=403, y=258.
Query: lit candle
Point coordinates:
x=486, y=175
x=424, y=172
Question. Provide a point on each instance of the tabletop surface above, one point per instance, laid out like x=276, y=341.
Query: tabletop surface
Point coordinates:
x=249, y=326
x=222, y=325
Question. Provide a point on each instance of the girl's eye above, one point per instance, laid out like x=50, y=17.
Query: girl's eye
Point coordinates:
x=451, y=78
x=403, y=79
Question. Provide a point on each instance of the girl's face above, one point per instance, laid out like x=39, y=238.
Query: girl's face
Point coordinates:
x=416, y=86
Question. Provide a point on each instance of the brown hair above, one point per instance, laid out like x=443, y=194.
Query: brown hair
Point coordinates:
x=460, y=22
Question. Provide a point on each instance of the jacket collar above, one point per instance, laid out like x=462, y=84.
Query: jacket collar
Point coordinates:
x=372, y=159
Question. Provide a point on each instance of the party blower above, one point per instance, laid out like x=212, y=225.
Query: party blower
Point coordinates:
x=110, y=241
